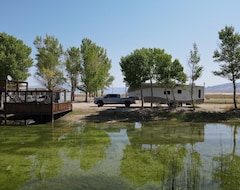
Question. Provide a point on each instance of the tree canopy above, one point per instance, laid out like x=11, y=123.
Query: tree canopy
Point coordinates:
x=94, y=69
x=49, y=62
x=195, y=69
x=151, y=64
x=73, y=68
x=15, y=58
x=228, y=57
x=135, y=68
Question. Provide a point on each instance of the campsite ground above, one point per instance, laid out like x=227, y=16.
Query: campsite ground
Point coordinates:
x=214, y=103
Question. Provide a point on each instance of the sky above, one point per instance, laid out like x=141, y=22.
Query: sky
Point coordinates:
x=122, y=26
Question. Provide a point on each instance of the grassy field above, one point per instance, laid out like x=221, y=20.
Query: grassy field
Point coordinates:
x=220, y=98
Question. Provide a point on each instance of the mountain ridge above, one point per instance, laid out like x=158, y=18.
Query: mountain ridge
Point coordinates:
x=222, y=88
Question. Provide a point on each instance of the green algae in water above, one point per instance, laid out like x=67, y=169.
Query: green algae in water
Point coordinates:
x=151, y=155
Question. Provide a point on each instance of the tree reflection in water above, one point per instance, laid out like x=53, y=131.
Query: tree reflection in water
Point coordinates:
x=159, y=155
x=227, y=169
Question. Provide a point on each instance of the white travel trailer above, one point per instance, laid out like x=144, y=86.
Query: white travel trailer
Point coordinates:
x=181, y=94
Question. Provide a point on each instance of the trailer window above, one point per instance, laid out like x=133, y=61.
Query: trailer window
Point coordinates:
x=167, y=92
x=199, y=93
x=179, y=91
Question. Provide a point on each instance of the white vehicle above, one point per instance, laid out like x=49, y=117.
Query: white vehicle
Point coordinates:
x=179, y=95
x=113, y=99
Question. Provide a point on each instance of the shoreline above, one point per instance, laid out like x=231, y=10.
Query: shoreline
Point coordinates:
x=88, y=111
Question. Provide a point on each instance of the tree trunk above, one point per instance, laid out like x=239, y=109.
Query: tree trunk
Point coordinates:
x=86, y=96
x=142, y=99
x=234, y=94
x=193, y=103
x=151, y=94
x=72, y=94
x=166, y=93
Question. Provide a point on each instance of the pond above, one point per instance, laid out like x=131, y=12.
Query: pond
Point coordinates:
x=151, y=155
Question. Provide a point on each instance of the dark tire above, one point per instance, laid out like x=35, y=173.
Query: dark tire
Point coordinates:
x=127, y=104
x=100, y=103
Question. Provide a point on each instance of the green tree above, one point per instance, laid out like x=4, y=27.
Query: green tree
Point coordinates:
x=153, y=61
x=229, y=57
x=150, y=64
x=95, y=74
x=195, y=69
x=135, y=69
x=73, y=68
x=103, y=79
x=15, y=58
x=169, y=73
x=49, y=62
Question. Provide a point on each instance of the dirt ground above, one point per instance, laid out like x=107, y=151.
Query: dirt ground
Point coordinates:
x=81, y=105
x=89, y=107
x=90, y=111
x=213, y=103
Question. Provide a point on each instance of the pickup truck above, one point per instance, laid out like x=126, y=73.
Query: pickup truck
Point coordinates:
x=113, y=99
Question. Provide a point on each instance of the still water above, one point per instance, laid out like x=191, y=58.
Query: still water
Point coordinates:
x=160, y=155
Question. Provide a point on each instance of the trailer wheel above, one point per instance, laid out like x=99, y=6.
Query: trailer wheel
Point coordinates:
x=127, y=104
x=100, y=103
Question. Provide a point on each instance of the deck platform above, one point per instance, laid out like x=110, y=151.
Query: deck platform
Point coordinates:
x=18, y=101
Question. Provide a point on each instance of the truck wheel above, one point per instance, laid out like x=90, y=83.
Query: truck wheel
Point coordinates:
x=100, y=103
x=127, y=104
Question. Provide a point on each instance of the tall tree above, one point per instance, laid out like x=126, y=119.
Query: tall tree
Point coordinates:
x=169, y=73
x=95, y=68
x=135, y=69
x=103, y=79
x=49, y=61
x=15, y=58
x=162, y=71
x=229, y=57
x=195, y=69
x=150, y=64
x=73, y=68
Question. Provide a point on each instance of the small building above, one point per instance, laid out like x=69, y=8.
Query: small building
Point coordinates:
x=180, y=94
x=20, y=102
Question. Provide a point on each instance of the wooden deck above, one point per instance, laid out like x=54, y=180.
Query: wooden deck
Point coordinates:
x=37, y=109
x=20, y=102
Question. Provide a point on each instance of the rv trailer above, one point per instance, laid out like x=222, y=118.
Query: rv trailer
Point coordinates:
x=180, y=94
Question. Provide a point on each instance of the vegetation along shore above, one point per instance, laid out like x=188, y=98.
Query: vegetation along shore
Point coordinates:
x=217, y=108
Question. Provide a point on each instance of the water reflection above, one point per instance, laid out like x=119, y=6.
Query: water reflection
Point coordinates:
x=227, y=167
x=120, y=156
x=157, y=154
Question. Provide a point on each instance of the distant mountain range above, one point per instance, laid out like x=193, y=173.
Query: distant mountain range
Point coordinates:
x=222, y=88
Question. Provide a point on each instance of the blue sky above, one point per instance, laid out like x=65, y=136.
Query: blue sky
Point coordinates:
x=121, y=26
